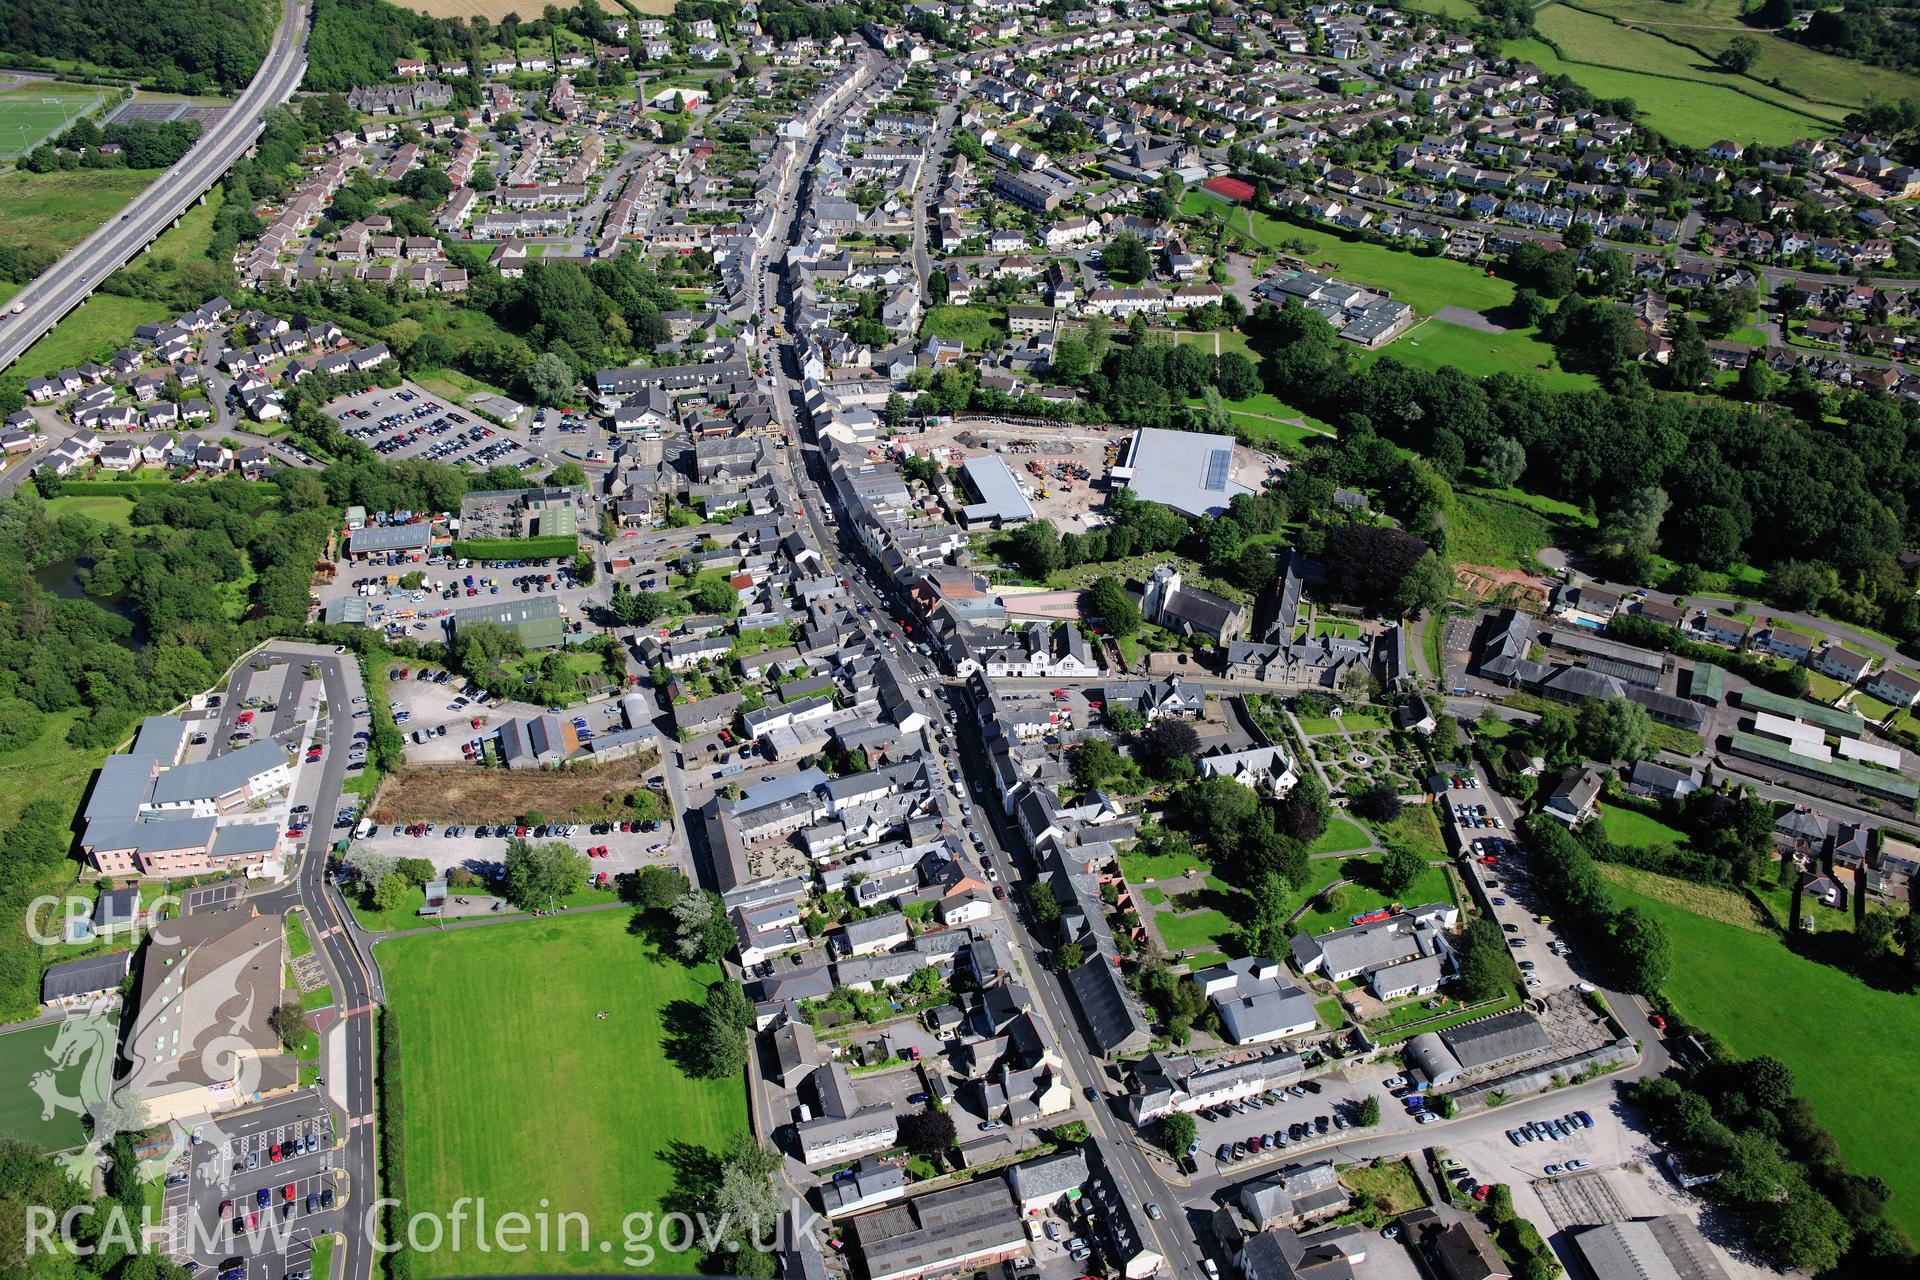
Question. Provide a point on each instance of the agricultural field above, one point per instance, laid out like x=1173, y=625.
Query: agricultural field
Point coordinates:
x=1706, y=27
x=60, y=209
x=594, y=1007
x=32, y=114
x=1675, y=89
x=1847, y=1043
x=494, y=10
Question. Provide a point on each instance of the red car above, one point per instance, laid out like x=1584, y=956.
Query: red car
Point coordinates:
x=1000, y=892
x=1482, y=1191
x=476, y=722
x=253, y=1220
x=1059, y=693
x=286, y=1193
x=273, y=1154
x=1659, y=1023
x=245, y=717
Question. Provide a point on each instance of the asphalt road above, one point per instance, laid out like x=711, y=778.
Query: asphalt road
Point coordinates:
x=66, y=284
x=337, y=941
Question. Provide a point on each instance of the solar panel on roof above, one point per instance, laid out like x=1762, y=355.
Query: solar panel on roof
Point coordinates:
x=1218, y=462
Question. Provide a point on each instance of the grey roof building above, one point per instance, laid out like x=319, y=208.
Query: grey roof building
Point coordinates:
x=1186, y=470
x=1670, y=1247
x=873, y=1183
x=1038, y=1184
x=1445, y=1056
x=1001, y=502
x=1292, y=1194
x=969, y=1226
x=1256, y=1002
x=81, y=981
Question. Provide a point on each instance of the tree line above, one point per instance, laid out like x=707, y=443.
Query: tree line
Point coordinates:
x=175, y=46
x=1825, y=506
x=144, y=144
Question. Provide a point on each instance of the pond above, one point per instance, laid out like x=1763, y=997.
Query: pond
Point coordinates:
x=63, y=578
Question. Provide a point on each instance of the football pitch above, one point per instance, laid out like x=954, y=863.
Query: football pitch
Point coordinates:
x=23, y=1055
x=30, y=116
x=534, y=1078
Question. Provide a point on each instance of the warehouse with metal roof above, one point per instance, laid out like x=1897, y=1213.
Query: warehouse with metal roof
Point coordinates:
x=1185, y=470
x=1001, y=502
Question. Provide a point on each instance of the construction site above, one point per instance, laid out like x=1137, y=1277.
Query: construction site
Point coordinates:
x=1061, y=469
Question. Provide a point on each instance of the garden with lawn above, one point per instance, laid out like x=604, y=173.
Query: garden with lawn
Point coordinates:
x=972, y=326
x=535, y=1074
x=1638, y=830
x=1848, y=1044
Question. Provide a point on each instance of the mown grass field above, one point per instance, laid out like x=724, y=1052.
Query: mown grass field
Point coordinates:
x=517, y=1090
x=1425, y=283
x=1638, y=830
x=1440, y=343
x=1341, y=836
x=1431, y=885
x=59, y=209
x=30, y=116
x=1676, y=89
x=1707, y=27
x=105, y=508
x=1848, y=1044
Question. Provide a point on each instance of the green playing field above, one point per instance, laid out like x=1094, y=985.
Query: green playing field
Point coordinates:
x=30, y=116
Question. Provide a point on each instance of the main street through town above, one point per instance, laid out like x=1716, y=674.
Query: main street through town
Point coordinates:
x=869, y=586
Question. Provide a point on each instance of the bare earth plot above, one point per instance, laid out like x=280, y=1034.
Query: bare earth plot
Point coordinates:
x=466, y=794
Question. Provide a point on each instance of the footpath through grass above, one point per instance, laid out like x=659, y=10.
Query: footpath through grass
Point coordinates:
x=518, y=1090
x=1848, y=1044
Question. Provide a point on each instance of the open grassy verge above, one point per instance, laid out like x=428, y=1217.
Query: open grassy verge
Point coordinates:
x=58, y=210
x=96, y=329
